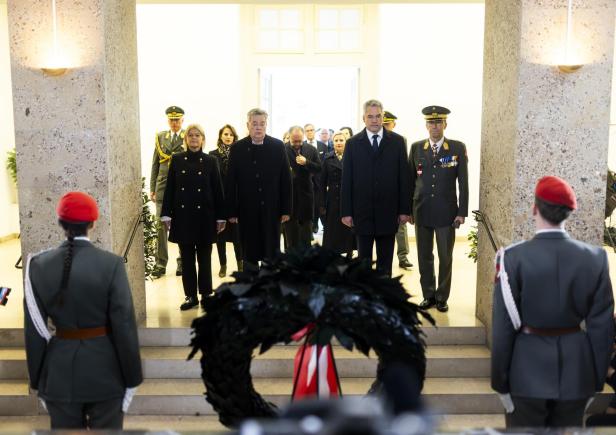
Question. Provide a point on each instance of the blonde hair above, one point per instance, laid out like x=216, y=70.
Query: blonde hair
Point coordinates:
x=339, y=133
x=195, y=127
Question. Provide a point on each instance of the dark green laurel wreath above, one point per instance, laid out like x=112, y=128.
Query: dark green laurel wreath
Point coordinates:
x=345, y=299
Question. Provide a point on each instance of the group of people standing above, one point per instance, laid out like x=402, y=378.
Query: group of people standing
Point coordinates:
x=365, y=187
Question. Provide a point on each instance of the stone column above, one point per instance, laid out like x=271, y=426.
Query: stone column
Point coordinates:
x=539, y=121
x=80, y=130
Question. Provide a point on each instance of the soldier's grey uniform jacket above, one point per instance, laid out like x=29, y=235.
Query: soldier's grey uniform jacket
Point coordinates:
x=433, y=183
x=556, y=282
x=164, y=148
x=98, y=294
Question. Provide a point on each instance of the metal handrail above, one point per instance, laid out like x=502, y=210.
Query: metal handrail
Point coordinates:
x=18, y=263
x=483, y=218
x=139, y=219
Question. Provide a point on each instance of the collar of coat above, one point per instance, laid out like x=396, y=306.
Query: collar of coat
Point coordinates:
x=555, y=234
x=445, y=145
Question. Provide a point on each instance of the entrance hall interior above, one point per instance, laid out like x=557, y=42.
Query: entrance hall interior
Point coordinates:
x=304, y=62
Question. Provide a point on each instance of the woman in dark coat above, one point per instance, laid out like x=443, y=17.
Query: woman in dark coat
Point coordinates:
x=193, y=211
x=226, y=137
x=336, y=236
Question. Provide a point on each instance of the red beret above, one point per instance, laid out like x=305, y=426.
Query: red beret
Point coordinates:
x=556, y=191
x=77, y=207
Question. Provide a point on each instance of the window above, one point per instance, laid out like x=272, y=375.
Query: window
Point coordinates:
x=279, y=29
x=338, y=29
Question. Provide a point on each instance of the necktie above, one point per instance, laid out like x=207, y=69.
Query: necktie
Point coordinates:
x=375, y=142
x=175, y=136
x=434, y=150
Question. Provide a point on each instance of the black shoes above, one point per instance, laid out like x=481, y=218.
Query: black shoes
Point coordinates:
x=189, y=303
x=442, y=306
x=405, y=264
x=427, y=303
x=223, y=271
x=159, y=272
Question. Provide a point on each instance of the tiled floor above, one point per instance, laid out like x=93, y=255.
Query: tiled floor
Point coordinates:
x=165, y=295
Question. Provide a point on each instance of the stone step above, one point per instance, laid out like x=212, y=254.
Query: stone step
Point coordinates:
x=170, y=362
x=180, y=336
x=210, y=424
x=186, y=396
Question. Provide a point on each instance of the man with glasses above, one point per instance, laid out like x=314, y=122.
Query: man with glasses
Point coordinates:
x=436, y=165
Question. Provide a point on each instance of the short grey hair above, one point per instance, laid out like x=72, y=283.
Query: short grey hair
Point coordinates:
x=296, y=127
x=372, y=103
x=256, y=112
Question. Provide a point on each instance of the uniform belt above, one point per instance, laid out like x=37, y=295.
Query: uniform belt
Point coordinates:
x=83, y=333
x=550, y=332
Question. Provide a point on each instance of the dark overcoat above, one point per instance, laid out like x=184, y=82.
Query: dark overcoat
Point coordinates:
x=231, y=233
x=375, y=185
x=556, y=282
x=433, y=183
x=193, y=198
x=258, y=192
x=336, y=235
x=303, y=181
x=98, y=294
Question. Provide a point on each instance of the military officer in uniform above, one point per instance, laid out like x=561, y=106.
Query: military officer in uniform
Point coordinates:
x=86, y=374
x=437, y=164
x=545, y=366
x=402, y=240
x=166, y=144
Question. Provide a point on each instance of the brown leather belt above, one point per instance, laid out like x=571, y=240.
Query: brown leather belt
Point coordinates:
x=550, y=332
x=83, y=333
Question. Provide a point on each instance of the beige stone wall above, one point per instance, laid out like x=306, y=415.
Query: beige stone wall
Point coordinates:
x=78, y=131
x=539, y=121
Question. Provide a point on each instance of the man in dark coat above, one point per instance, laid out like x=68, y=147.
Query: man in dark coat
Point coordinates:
x=436, y=164
x=544, y=365
x=305, y=163
x=258, y=189
x=375, y=187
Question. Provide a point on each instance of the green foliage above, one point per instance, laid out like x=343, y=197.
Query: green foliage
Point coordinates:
x=11, y=164
x=473, y=238
x=150, y=229
x=606, y=236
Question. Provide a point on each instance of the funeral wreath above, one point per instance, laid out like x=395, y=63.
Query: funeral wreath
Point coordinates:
x=344, y=299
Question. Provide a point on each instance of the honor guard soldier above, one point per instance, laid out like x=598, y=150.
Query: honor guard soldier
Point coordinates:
x=545, y=365
x=437, y=164
x=166, y=143
x=402, y=240
x=86, y=374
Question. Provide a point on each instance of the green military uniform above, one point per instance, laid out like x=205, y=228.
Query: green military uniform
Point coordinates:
x=166, y=144
x=402, y=240
x=435, y=206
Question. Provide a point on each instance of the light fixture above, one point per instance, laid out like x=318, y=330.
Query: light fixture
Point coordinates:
x=568, y=67
x=57, y=66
